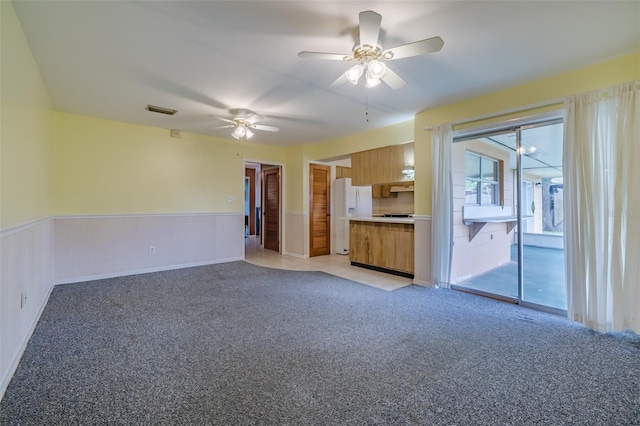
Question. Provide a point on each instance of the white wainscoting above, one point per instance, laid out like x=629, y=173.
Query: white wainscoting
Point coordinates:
x=422, y=250
x=95, y=247
x=26, y=266
x=60, y=250
x=296, y=234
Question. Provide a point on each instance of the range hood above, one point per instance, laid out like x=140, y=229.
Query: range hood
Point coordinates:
x=401, y=188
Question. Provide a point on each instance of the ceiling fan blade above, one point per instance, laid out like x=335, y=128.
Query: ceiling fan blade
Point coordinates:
x=422, y=47
x=369, y=28
x=254, y=118
x=266, y=128
x=227, y=126
x=392, y=79
x=221, y=119
x=339, y=81
x=326, y=56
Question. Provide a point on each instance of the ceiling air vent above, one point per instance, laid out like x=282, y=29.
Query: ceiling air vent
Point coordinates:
x=161, y=110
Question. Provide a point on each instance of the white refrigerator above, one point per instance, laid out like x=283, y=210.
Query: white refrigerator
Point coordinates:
x=348, y=201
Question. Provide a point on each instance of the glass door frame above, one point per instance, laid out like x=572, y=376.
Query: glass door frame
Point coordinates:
x=517, y=129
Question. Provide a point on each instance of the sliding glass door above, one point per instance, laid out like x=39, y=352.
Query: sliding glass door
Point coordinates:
x=507, y=192
x=543, y=281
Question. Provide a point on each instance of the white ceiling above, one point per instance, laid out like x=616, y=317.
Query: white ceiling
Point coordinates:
x=110, y=59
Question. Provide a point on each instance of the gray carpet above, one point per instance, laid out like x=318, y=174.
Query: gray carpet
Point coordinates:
x=241, y=344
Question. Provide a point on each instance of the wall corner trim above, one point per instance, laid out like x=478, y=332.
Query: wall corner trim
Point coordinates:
x=4, y=384
x=422, y=283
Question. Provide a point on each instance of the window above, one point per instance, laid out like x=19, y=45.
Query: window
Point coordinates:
x=481, y=180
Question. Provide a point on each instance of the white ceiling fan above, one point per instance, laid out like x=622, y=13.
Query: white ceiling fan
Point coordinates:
x=371, y=57
x=244, y=122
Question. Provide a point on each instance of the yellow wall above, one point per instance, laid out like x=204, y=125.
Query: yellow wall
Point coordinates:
x=109, y=167
x=390, y=135
x=25, y=137
x=555, y=88
x=296, y=180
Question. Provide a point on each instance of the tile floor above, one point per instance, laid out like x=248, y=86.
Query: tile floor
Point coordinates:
x=334, y=264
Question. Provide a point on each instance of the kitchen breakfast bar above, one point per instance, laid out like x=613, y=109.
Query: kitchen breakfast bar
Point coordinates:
x=383, y=244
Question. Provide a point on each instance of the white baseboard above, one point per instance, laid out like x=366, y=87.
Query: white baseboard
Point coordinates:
x=18, y=356
x=422, y=283
x=144, y=271
x=296, y=255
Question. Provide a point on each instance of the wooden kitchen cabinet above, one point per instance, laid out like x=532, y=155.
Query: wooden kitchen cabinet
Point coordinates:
x=382, y=165
x=376, y=191
x=382, y=246
x=382, y=191
x=343, y=172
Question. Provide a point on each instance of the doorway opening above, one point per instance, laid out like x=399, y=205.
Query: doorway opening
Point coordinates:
x=508, y=220
x=262, y=205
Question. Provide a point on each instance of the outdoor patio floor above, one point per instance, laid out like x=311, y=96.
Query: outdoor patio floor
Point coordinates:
x=543, y=278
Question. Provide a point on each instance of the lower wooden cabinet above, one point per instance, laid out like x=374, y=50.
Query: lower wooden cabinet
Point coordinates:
x=382, y=245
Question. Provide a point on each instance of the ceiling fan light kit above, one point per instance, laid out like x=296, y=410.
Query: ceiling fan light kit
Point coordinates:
x=376, y=69
x=372, y=82
x=242, y=132
x=370, y=55
x=244, y=123
x=373, y=70
x=354, y=73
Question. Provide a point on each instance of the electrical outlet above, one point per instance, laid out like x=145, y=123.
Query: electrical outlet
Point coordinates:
x=152, y=249
x=23, y=299
x=229, y=198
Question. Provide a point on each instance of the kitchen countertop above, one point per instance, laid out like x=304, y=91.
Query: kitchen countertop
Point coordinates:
x=382, y=219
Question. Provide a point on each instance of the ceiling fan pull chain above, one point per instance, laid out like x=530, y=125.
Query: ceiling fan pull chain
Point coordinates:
x=366, y=104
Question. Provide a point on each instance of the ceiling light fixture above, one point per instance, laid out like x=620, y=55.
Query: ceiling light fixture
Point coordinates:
x=244, y=123
x=376, y=69
x=242, y=131
x=408, y=169
x=354, y=73
x=369, y=65
x=372, y=82
x=239, y=132
x=368, y=53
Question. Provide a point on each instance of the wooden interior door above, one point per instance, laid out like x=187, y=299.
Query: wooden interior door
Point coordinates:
x=319, y=208
x=271, y=209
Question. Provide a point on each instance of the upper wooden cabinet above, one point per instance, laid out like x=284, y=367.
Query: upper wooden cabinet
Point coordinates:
x=343, y=172
x=382, y=165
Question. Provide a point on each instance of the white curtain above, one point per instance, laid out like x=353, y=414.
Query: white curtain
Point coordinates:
x=442, y=206
x=602, y=186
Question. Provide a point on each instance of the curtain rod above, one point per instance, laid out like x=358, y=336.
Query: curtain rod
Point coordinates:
x=496, y=115
x=607, y=91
